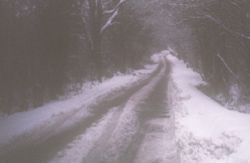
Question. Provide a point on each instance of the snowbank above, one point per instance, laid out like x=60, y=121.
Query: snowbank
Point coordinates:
x=37, y=124
x=206, y=131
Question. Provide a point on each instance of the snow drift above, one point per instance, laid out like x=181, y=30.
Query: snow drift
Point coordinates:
x=206, y=131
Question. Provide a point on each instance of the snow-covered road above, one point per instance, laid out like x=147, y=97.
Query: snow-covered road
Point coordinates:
x=153, y=115
x=128, y=122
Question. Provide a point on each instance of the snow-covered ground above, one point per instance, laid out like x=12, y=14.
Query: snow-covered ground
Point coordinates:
x=80, y=147
x=23, y=127
x=206, y=132
x=111, y=137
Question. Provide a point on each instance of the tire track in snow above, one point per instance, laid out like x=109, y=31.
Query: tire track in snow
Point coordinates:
x=141, y=131
x=116, y=144
x=157, y=143
x=80, y=147
x=47, y=144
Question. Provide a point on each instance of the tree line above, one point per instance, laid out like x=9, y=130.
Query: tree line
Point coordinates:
x=220, y=32
x=51, y=47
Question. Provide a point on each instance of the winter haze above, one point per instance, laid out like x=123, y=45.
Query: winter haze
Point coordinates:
x=124, y=81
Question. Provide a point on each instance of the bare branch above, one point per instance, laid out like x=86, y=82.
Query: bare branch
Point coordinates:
x=217, y=22
x=221, y=24
x=114, y=13
x=109, y=21
x=115, y=8
x=227, y=66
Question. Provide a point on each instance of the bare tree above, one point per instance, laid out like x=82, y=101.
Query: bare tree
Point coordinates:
x=98, y=16
x=219, y=27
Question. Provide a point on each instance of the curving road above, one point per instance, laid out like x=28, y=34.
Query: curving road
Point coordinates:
x=131, y=126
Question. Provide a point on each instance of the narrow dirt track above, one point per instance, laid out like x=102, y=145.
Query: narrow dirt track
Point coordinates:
x=124, y=129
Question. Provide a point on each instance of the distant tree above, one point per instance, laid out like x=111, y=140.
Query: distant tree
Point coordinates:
x=97, y=17
x=51, y=47
x=222, y=41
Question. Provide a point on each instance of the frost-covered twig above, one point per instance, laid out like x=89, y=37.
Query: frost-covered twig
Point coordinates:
x=226, y=65
x=109, y=21
x=114, y=13
x=226, y=28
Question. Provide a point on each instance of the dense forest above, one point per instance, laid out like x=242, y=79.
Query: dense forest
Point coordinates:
x=220, y=32
x=50, y=47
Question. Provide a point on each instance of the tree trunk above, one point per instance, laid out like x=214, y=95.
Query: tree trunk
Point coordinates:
x=96, y=13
